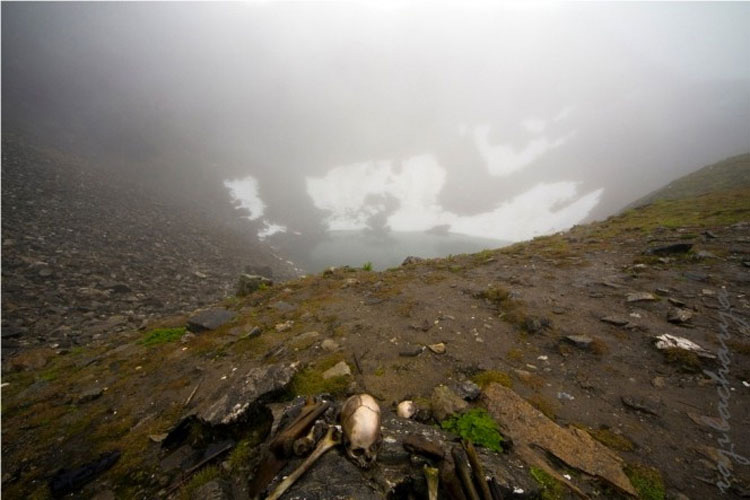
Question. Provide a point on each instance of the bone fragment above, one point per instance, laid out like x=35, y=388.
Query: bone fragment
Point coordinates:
x=331, y=439
x=431, y=474
x=476, y=467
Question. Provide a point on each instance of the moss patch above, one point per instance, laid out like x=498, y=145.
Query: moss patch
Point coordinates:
x=310, y=381
x=485, y=378
x=199, y=479
x=611, y=440
x=551, y=488
x=477, y=426
x=686, y=360
x=162, y=336
x=647, y=481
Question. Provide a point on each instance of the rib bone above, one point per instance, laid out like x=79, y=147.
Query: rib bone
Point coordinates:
x=331, y=439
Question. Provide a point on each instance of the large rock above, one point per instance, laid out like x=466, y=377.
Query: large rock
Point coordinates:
x=231, y=400
x=444, y=403
x=248, y=283
x=209, y=319
x=534, y=435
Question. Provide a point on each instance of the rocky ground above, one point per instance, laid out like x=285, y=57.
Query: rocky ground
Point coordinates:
x=559, y=335
x=87, y=252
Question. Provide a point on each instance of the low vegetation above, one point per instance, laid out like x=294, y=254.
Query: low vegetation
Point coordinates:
x=647, y=481
x=551, y=488
x=487, y=377
x=162, y=336
x=477, y=426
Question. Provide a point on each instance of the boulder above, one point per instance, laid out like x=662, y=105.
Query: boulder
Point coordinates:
x=444, y=403
x=210, y=319
x=248, y=283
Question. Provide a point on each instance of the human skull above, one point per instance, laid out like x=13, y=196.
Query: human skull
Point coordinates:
x=360, y=421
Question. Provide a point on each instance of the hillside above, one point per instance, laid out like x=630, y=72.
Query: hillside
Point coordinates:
x=88, y=252
x=732, y=173
x=558, y=332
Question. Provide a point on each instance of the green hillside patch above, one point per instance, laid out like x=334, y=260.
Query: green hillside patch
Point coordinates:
x=162, y=336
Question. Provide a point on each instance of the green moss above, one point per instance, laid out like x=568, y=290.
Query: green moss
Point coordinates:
x=610, y=439
x=544, y=405
x=477, y=426
x=162, y=336
x=487, y=377
x=310, y=381
x=647, y=481
x=241, y=454
x=551, y=488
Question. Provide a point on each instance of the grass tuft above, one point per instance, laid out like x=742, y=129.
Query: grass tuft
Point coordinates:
x=487, y=377
x=162, y=336
x=551, y=488
x=647, y=481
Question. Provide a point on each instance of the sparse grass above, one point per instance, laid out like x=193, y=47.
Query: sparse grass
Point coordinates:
x=241, y=454
x=477, y=426
x=487, y=377
x=162, y=336
x=647, y=481
x=686, y=360
x=551, y=488
x=367, y=266
x=611, y=440
x=544, y=405
x=515, y=354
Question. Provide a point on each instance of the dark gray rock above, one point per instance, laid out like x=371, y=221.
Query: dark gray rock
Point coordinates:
x=235, y=397
x=213, y=490
x=467, y=390
x=675, y=248
x=209, y=319
x=90, y=395
x=696, y=276
x=411, y=260
x=678, y=316
x=248, y=283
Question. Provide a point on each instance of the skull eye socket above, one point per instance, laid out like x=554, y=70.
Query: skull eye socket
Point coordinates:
x=358, y=452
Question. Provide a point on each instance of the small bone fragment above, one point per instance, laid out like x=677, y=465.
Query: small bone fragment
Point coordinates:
x=331, y=439
x=406, y=409
x=305, y=444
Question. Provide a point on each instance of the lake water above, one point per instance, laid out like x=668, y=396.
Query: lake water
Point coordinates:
x=354, y=248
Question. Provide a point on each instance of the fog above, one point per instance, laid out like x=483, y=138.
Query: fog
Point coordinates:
x=492, y=121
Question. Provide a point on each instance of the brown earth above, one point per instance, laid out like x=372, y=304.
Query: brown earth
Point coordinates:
x=502, y=315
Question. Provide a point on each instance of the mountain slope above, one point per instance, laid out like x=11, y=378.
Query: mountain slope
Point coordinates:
x=568, y=321
x=88, y=252
x=729, y=174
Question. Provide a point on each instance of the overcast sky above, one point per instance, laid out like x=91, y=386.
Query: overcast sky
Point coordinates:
x=495, y=120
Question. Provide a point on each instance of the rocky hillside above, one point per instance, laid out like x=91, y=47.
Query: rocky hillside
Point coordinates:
x=87, y=252
x=575, y=362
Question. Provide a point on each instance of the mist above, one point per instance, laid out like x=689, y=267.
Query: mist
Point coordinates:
x=498, y=122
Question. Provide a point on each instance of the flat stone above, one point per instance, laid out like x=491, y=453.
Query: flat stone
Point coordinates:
x=534, y=435
x=340, y=369
x=90, y=395
x=615, y=320
x=678, y=316
x=581, y=341
x=282, y=327
x=329, y=345
x=209, y=319
x=640, y=297
x=676, y=302
x=438, y=348
x=638, y=405
x=658, y=382
x=695, y=276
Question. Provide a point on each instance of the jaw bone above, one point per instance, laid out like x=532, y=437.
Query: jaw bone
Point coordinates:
x=331, y=439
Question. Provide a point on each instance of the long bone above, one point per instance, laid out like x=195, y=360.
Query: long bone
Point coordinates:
x=331, y=439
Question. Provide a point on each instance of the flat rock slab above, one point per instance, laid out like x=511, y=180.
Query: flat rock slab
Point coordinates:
x=581, y=341
x=209, y=319
x=615, y=320
x=232, y=399
x=533, y=434
x=679, y=315
x=640, y=297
